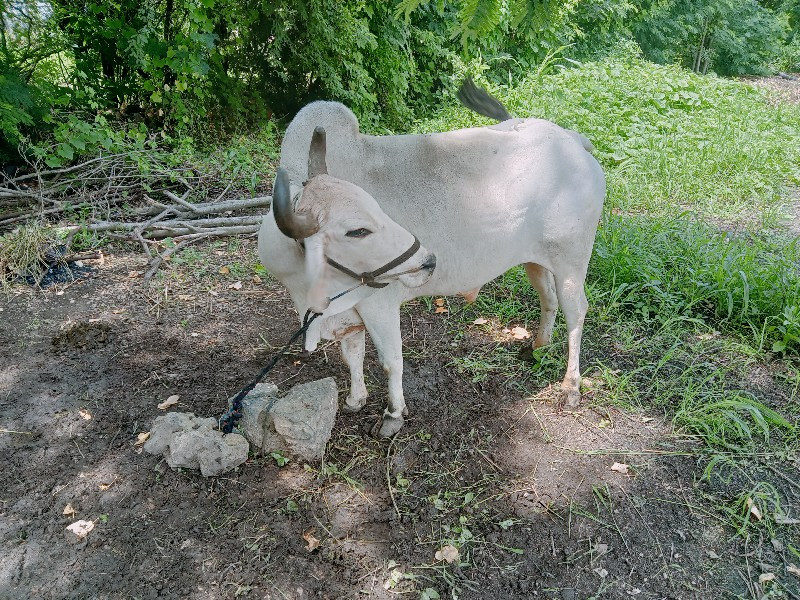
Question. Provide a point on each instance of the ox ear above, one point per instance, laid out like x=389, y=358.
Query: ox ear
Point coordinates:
x=316, y=154
x=316, y=273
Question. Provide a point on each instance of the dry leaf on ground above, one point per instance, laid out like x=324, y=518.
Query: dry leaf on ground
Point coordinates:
x=256, y=279
x=68, y=510
x=235, y=286
x=520, y=333
x=171, y=401
x=600, y=549
x=104, y=486
x=142, y=438
x=85, y=414
x=224, y=270
x=764, y=577
x=447, y=553
x=754, y=510
x=480, y=321
x=620, y=468
x=793, y=569
x=81, y=528
x=313, y=543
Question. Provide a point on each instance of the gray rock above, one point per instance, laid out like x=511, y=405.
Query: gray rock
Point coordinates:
x=300, y=423
x=192, y=442
x=255, y=407
x=166, y=426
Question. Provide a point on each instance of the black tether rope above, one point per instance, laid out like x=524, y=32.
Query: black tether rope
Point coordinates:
x=231, y=418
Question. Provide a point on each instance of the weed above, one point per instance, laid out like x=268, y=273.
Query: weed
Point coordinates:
x=27, y=252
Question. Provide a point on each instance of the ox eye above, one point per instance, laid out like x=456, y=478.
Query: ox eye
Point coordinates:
x=358, y=233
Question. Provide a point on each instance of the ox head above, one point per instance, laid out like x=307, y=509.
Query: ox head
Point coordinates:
x=340, y=224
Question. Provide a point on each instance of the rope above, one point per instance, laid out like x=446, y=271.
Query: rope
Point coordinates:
x=231, y=417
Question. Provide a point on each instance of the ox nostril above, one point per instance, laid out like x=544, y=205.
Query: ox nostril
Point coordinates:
x=430, y=262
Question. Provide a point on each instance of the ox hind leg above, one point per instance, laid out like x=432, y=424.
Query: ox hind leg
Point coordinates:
x=572, y=298
x=383, y=324
x=543, y=282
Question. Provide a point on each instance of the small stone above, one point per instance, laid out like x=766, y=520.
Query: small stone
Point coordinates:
x=300, y=423
x=165, y=426
x=193, y=442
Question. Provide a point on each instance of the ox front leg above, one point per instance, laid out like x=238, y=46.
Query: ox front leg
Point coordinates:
x=353, y=348
x=383, y=325
x=572, y=298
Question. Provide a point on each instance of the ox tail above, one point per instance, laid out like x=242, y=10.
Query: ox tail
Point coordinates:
x=481, y=101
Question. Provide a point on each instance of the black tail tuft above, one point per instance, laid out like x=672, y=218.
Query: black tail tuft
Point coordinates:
x=479, y=100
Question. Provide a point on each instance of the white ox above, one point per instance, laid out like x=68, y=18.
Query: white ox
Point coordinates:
x=481, y=200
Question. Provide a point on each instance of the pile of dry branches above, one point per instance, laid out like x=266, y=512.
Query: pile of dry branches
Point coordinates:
x=114, y=196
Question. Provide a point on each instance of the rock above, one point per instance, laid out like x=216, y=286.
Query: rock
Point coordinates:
x=212, y=451
x=299, y=423
x=255, y=407
x=192, y=442
x=165, y=427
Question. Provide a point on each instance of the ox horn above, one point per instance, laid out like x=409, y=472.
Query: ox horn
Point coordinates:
x=297, y=225
x=316, y=154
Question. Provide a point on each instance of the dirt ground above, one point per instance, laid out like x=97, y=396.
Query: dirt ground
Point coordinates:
x=784, y=89
x=528, y=494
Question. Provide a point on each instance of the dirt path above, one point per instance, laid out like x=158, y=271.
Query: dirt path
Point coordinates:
x=528, y=494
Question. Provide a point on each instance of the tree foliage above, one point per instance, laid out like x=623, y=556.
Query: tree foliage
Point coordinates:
x=204, y=67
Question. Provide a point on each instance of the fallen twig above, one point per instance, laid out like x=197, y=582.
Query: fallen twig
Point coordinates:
x=158, y=260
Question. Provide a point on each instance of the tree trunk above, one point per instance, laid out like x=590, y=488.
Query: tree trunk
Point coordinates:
x=699, y=56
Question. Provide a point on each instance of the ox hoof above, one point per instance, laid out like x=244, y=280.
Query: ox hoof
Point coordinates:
x=352, y=405
x=570, y=399
x=387, y=427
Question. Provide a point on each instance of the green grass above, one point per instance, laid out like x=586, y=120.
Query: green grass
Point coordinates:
x=694, y=288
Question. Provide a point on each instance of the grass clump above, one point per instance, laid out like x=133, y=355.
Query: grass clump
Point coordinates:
x=27, y=252
x=660, y=269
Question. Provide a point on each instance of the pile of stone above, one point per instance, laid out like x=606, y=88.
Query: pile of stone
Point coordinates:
x=299, y=423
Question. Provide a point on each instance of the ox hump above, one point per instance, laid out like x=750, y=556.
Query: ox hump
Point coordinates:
x=341, y=129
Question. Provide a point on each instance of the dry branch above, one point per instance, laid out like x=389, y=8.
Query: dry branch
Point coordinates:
x=107, y=189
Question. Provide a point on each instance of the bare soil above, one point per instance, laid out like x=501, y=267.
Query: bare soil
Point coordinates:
x=527, y=493
x=784, y=89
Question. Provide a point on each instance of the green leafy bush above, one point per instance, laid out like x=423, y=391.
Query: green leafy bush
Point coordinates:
x=730, y=37
x=19, y=110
